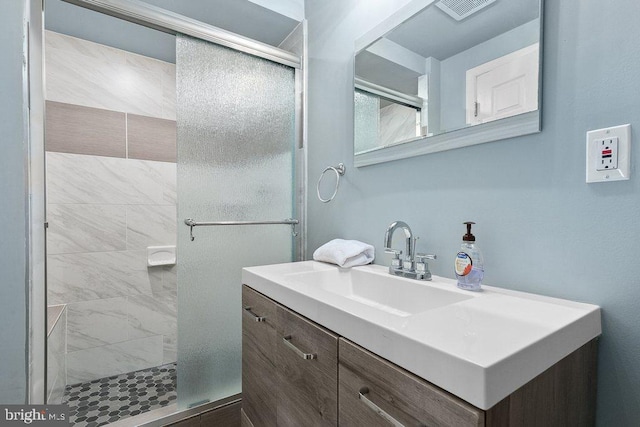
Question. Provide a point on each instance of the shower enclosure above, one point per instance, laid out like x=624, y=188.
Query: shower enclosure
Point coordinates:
x=234, y=165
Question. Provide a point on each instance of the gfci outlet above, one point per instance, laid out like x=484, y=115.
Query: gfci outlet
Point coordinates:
x=608, y=154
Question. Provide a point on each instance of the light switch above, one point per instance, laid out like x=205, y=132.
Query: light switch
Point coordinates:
x=608, y=154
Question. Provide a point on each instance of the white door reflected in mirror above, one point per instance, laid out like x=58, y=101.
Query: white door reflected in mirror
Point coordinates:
x=503, y=87
x=470, y=77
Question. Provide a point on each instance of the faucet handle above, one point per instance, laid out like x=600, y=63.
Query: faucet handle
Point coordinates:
x=396, y=263
x=396, y=255
x=424, y=257
x=422, y=268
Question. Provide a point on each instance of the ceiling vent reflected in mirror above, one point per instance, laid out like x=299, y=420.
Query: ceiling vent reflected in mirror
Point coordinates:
x=461, y=9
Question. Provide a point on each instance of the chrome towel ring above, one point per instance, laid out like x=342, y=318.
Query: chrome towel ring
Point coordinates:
x=339, y=171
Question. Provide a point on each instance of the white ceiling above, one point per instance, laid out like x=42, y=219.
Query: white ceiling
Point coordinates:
x=433, y=33
x=293, y=9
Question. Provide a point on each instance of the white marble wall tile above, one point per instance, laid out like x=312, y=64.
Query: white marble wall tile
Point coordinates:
x=100, y=362
x=90, y=276
x=54, y=312
x=150, y=226
x=85, y=228
x=147, y=63
x=167, y=81
x=160, y=177
x=168, y=172
x=397, y=123
x=56, y=361
x=170, y=349
x=53, y=372
x=96, y=323
x=170, y=278
x=152, y=315
x=169, y=94
x=85, y=73
x=55, y=40
x=164, y=279
x=90, y=74
x=78, y=79
x=78, y=178
x=57, y=388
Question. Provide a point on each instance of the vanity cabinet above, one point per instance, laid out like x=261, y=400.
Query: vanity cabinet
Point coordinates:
x=374, y=392
x=289, y=367
x=307, y=366
x=259, y=377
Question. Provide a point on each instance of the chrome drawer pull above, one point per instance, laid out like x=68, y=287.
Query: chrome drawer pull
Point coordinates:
x=378, y=410
x=305, y=356
x=248, y=312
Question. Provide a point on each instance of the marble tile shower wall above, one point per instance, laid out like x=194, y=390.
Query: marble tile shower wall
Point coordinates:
x=105, y=207
x=397, y=123
x=103, y=213
x=56, y=353
x=93, y=75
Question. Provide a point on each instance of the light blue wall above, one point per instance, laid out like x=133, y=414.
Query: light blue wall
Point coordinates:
x=12, y=213
x=542, y=228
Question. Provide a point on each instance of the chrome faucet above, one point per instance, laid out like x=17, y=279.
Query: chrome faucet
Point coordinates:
x=414, y=268
x=388, y=236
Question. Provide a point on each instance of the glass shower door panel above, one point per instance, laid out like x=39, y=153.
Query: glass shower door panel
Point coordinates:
x=367, y=121
x=235, y=117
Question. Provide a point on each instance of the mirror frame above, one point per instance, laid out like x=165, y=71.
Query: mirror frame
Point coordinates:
x=510, y=127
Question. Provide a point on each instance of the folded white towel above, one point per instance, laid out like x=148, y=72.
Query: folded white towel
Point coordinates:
x=345, y=253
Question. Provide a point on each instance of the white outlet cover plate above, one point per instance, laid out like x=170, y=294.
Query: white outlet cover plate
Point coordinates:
x=623, y=171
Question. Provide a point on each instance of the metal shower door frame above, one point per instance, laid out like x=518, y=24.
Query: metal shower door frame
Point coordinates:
x=34, y=87
x=172, y=23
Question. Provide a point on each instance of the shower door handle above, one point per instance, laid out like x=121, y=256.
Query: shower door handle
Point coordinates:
x=189, y=222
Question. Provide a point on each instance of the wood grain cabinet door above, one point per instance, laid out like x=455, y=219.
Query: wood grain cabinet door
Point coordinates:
x=374, y=392
x=259, y=338
x=307, y=362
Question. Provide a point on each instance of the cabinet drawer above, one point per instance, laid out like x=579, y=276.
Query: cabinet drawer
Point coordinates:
x=307, y=363
x=372, y=389
x=259, y=378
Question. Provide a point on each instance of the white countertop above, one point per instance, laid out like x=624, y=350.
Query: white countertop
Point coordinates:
x=479, y=346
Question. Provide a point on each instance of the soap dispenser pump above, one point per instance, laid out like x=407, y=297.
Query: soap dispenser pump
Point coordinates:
x=469, y=264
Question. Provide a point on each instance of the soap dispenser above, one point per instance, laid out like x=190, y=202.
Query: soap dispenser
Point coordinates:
x=469, y=264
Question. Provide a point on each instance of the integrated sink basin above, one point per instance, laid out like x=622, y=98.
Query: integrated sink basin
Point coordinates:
x=402, y=298
x=479, y=346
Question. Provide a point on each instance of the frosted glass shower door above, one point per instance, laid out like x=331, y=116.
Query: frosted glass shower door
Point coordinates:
x=235, y=117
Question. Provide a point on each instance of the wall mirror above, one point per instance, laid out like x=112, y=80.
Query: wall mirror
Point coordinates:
x=445, y=74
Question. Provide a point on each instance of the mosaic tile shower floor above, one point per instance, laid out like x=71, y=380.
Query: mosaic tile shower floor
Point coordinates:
x=106, y=400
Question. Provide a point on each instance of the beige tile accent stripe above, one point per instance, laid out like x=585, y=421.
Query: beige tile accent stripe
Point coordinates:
x=77, y=129
x=150, y=138
x=82, y=130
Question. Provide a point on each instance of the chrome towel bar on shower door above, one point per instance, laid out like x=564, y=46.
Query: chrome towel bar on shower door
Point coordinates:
x=193, y=223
